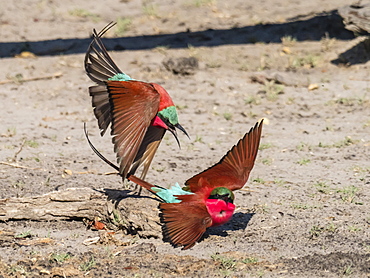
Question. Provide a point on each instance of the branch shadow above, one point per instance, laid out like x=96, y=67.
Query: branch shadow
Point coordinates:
x=358, y=54
x=302, y=28
x=116, y=195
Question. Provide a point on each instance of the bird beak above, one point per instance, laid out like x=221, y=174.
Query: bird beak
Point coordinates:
x=173, y=131
x=182, y=129
x=227, y=199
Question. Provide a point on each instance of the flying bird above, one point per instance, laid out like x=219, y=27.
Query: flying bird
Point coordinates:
x=207, y=199
x=138, y=112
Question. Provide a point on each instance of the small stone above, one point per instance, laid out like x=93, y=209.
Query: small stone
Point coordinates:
x=312, y=87
x=182, y=65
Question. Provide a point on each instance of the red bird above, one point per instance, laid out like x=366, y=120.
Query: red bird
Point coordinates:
x=139, y=112
x=207, y=198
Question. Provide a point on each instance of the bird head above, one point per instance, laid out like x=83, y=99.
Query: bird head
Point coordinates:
x=170, y=118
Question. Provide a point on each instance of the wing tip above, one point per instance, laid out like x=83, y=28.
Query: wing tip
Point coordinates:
x=105, y=67
x=167, y=238
x=247, y=148
x=257, y=126
x=104, y=30
x=165, y=231
x=185, y=223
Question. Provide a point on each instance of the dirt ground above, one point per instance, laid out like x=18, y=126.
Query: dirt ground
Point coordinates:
x=305, y=209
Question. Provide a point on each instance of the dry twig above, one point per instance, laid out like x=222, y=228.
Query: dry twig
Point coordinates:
x=55, y=75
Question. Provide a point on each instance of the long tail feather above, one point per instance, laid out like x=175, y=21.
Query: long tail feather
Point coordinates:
x=98, y=153
x=130, y=177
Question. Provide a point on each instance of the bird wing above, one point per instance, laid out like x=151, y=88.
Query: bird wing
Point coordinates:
x=99, y=66
x=102, y=108
x=233, y=169
x=184, y=223
x=133, y=104
x=147, y=150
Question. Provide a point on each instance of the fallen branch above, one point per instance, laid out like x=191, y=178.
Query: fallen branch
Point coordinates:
x=19, y=166
x=118, y=210
x=21, y=80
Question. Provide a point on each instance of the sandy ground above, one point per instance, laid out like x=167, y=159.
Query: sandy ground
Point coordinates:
x=305, y=210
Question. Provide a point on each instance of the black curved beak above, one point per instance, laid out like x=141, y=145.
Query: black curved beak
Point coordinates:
x=225, y=197
x=182, y=129
x=174, y=132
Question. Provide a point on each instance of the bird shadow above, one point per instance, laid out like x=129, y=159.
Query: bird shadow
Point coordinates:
x=239, y=221
x=309, y=27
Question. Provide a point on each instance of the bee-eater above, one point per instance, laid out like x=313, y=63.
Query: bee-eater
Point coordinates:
x=207, y=199
x=139, y=112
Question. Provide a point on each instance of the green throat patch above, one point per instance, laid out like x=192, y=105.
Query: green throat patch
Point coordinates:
x=170, y=114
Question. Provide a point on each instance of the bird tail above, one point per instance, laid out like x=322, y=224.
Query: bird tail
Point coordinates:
x=99, y=66
x=130, y=177
x=142, y=183
x=102, y=157
x=167, y=195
